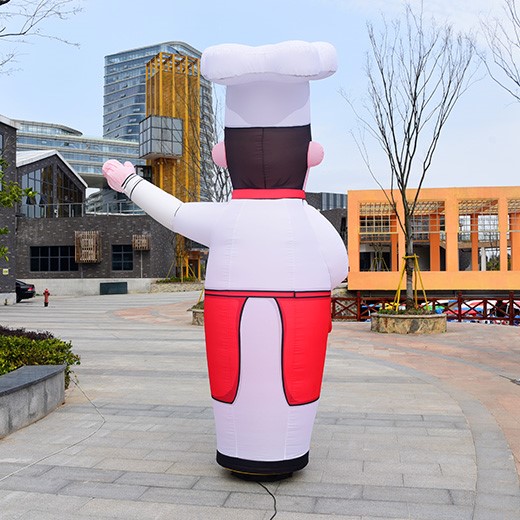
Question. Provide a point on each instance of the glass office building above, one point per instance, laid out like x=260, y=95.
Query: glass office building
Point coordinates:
x=124, y=105
x=86, y=155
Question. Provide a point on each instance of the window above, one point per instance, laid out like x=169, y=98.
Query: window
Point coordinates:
x=122, y=258
x=53, y=258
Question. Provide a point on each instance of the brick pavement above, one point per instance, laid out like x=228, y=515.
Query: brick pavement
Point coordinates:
x=416, y=428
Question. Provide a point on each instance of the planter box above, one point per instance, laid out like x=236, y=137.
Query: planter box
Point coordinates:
x=197, y=317
x=408, y=323
x=29, y=394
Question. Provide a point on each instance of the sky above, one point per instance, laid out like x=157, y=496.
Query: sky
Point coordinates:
x=58, y=83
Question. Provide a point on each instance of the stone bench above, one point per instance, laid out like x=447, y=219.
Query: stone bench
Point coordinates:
x=29, y=394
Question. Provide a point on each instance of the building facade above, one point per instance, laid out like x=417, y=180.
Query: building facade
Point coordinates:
x=55, y=243
x=466, y=239
x=327, y=201
x=61, y=253
x=86, y=155
x=60, y=191
x=7, y=215
x=333, y=206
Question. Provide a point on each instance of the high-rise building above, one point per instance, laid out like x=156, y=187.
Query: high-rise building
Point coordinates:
x=124, y=105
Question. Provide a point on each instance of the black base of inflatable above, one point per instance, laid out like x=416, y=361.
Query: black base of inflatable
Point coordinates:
x=259, y=470
x=261, y=478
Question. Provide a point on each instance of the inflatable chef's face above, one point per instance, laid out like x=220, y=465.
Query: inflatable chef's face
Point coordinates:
x=267, y=138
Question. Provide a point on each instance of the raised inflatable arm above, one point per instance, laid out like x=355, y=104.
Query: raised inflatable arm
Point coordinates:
x=154, y=201
x=194, y=220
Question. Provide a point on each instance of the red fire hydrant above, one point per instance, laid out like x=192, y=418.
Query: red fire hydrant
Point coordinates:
x=46, y=295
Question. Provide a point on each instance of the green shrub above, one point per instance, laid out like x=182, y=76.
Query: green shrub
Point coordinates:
x=419, y=311
x=19, y=347
x=175, y=279
x=30, y=334
x=198, y=306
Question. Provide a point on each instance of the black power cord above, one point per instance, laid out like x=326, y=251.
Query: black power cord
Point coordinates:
x=103, y=421
x=274, y=499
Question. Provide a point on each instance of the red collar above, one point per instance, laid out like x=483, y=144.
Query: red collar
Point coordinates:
x=268, y=194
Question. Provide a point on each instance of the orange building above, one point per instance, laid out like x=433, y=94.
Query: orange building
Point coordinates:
x=467, y=239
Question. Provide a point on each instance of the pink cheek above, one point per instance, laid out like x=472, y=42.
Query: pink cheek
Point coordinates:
x=315, y=154
x=219, y=154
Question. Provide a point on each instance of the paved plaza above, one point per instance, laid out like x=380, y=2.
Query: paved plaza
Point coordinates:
x=409, y=427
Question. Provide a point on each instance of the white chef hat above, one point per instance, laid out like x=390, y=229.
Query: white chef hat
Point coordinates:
x=268, y=85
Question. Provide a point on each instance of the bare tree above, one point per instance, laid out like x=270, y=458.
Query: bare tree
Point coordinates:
x=206, y=131
x=214, y=179
x=503, y=38
x=24, y=19
x=416, y=74
x=218, y=176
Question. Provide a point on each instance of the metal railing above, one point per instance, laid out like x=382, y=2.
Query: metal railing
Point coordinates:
x=67, y=210
x=504, y=310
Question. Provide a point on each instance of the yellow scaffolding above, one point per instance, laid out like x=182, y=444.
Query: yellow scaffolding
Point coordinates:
x=173, y=90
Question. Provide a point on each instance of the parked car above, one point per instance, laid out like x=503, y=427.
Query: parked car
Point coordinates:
x=24, y=291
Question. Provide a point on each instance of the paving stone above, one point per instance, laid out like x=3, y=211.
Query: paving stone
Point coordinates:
x=287, y=515
x=493, y=514
x=363, y=478
x=498, y=502
x=333, y=506
x=447, y=458
x=461, y=497
x=230, y=483
x=103, y=490
x=345, y=491
x=84, y=474
x=265, y=501
x=488, y=484
x=406, y=494
x=6, y=468
x=401, y=467
x=6, y=515
x=34, y=484
x=442, y=482
x=126, y=510
x=403, y=429
x=152, y=466
x=157, y=480
x=24, y=471
x=187, y=496
x=440, y=512
x=23, y=501
x=46, y=515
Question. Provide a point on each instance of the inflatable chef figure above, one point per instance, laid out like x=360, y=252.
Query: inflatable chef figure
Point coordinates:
x=273, y=259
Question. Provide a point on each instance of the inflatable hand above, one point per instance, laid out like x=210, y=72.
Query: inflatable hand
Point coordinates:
x=116, y=173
